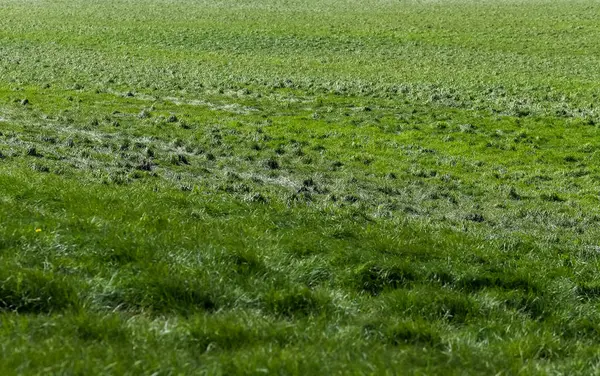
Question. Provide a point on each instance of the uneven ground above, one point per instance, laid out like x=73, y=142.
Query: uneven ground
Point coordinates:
x=299, y=187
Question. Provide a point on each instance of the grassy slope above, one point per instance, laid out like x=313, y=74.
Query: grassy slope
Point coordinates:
x=308, y=187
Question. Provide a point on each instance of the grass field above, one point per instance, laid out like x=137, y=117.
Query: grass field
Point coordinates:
x=299, y=187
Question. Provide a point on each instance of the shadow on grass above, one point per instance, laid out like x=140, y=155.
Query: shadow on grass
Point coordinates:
x=34, y=291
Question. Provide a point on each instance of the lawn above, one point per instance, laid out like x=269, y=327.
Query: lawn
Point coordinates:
x=299, y=187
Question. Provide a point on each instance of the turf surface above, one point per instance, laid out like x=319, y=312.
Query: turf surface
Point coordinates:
x=299, y=187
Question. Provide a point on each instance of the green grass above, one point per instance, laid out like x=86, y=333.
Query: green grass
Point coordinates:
x=299, y=187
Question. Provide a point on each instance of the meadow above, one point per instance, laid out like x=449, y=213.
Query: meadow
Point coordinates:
x=299, y=187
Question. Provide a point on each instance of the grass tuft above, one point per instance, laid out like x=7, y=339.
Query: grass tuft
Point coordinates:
x=296, y=302
x=36, y=292
x=374, y=278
